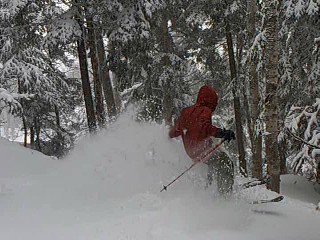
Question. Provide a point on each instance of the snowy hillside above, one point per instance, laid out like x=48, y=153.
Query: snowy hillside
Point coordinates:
x=108, y=188
x=19, y=162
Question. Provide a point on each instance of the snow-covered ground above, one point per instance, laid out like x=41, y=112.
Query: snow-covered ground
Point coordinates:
x=108, y=188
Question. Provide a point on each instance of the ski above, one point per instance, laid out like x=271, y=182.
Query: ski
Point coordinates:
x=254, y=183
x=273, y=200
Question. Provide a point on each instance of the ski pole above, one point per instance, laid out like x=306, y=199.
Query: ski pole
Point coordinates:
x=204, y=158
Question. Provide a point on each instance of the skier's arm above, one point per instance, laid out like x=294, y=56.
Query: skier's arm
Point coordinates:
x=210, y=130
x=206, y=124
x=175, y=130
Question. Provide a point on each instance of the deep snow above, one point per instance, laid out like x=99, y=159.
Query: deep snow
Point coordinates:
x=108, y=188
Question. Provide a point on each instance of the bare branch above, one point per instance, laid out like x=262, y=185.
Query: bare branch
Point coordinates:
x=302, y=140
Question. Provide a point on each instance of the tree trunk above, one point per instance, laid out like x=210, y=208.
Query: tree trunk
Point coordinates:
x=56, y=110
x=257, y=154
x=236, y=103
x=85, y=78
x=37, y=130
x=24, y=122
x=96, y=74
x=167, y=104
x=318, y=173
x=244, y=89
x=59, y=132
x=117, y=97
x=25, y=131
x=256, y=142
x=271, y=101
x=105, y=77
x=32, y=137
x=282, y=155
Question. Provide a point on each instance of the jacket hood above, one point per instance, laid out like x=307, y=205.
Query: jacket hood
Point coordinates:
x=207, y=97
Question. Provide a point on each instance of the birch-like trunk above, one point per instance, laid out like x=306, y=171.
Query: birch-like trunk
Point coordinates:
x=256, y=138
x=271, y=101
x=244, y=88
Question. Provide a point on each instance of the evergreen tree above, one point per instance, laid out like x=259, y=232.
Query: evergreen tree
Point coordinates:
x=28, y=72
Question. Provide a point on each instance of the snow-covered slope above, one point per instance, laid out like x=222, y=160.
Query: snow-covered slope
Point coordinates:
x=108, y=188
x=298, y=187
x=17, y=161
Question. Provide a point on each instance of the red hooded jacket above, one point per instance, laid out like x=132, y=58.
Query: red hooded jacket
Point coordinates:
x=195, y=125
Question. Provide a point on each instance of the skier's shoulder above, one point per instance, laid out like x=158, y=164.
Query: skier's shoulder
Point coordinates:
x=203, y=110
x=187, y=110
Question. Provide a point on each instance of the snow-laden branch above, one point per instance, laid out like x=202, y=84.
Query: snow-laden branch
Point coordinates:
x=302, y=140
x=10, y=100
x=303, y=124
x=130, y=90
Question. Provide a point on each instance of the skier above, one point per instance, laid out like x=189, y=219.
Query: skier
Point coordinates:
x=195, y=127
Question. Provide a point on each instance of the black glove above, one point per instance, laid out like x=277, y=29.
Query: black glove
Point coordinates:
x=228, y=135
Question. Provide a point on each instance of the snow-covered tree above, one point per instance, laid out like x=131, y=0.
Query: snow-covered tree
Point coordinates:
x=303, y=126
x=28, y=73
x=299, y=62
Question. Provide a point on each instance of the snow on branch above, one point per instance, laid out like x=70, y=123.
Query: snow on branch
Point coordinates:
x=130, y=90
x=302, y=140
x=302, y=123
x=10, y=100
x=298, y=8
x=63, y=29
